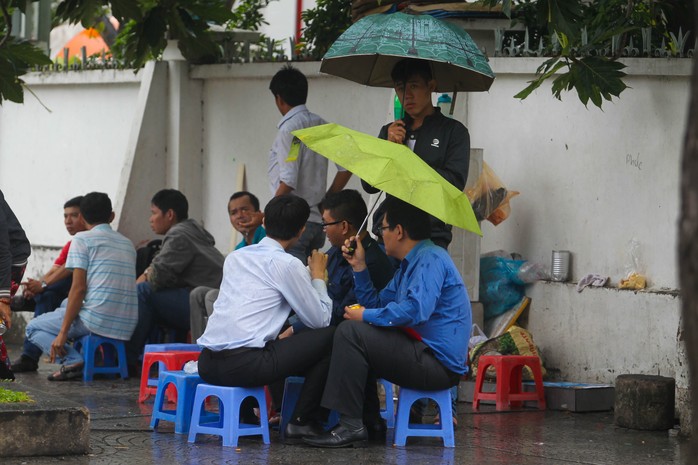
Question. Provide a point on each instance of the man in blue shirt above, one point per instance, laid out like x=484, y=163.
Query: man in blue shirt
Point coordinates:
x=342, y=214
x=414, y=333
x=102, y=298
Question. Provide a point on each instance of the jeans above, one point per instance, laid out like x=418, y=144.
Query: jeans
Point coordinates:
x=166, y=307
x=312, y=238
x=42, y=330
x=46, y=302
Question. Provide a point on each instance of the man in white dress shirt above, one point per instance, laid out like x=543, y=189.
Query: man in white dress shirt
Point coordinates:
x=261, y=285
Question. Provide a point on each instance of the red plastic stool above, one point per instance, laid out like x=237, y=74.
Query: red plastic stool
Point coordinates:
x=173, y=361
x=509, y=388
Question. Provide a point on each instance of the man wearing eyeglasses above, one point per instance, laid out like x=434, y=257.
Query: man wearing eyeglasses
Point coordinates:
x=413, y=333
x=342, y=213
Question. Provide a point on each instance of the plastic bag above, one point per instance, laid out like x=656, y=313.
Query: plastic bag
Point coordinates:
x=500, y=286
x=634, y=269
x=489, y=197
x=516, y=341
x=192, y=366
x=477, y=336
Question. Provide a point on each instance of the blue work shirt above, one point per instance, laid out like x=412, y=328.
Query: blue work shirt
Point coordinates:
x=428, y=295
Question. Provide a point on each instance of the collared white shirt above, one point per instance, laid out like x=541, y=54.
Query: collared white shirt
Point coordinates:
x=261, y=285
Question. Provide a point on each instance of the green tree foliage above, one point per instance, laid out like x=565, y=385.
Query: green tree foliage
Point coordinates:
x=578, y=26
x=575, y=30
x=16, y=56
x=150, y=23
x=324, y=24
x=248, y=16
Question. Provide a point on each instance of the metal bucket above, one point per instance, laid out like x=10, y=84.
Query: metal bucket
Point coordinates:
x=560, y=269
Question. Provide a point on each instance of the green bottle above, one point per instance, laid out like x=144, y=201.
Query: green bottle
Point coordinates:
x=397, y=109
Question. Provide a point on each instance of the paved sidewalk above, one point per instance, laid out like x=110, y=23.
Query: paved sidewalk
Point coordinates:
x=120, y=435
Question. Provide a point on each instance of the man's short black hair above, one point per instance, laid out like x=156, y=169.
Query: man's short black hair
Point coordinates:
x=291, y=85
x=95, y=208
x=405, y=69
x=74, y=202
x=253, y=198
x=346, y=205
x=415, y=222
x=172, y=199
x=285, y=216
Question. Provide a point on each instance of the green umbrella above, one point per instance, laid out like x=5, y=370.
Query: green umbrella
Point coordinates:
x=367, y=51
x=392, y=168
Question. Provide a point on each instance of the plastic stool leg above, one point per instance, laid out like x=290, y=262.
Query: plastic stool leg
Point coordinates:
x=292, y=391
x=389, y=413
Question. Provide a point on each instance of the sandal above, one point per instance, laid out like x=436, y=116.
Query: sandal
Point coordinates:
x=67, y=373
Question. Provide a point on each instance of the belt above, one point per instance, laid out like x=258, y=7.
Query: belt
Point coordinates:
x=225, y=353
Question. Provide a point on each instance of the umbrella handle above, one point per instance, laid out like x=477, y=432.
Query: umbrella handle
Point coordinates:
x=453, y=104
x=352, y=244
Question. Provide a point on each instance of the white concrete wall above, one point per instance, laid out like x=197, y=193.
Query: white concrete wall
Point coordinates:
x=240, y=119
x=590, y=180
x=74, y=145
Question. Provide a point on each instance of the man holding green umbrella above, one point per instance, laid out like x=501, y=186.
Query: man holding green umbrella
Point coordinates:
x=443, y=143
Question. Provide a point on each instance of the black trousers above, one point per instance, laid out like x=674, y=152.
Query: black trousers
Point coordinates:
x=306, y=354
x=361, y=350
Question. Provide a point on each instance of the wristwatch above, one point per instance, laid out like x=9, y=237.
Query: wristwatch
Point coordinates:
x=44, y=285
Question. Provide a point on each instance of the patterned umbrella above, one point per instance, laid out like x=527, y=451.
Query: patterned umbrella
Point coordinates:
x=368, y=50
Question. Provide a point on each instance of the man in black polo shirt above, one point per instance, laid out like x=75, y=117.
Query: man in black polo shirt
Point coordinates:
x=443, y=143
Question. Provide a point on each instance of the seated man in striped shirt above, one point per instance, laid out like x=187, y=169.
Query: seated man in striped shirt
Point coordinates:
x=102, y=298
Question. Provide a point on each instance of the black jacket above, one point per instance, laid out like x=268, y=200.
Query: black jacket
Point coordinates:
x=14, y=246
x=444, y=143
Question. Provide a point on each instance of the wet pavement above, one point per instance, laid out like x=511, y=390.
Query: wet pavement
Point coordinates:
x=120, y=433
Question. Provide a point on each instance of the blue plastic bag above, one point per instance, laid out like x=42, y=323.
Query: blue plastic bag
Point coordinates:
x=500, y=285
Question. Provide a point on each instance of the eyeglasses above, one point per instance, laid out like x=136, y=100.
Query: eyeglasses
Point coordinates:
x=380, y=229
x=324, y=225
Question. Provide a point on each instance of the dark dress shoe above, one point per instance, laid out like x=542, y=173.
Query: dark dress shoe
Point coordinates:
x=377, y=430
x=294, y=434
x=338, y=437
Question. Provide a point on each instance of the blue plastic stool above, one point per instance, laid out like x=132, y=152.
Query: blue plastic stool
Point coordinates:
x=388, y=414
x=228, y=424
x=292, y=391
x=403, y=428
x=164, y=348
x=186, y=384
x=89, y=345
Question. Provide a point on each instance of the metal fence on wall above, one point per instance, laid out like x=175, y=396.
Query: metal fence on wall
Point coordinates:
x=511, y=44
